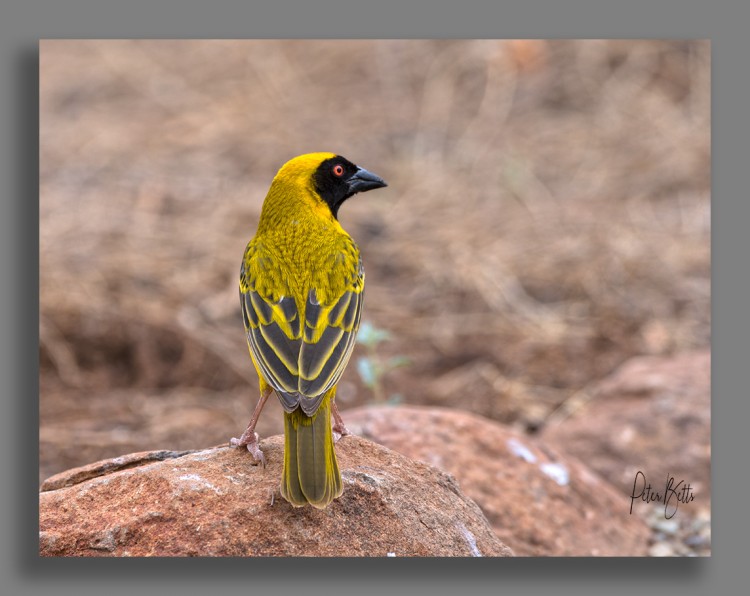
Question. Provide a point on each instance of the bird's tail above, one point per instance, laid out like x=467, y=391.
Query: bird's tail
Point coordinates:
x=311, y=472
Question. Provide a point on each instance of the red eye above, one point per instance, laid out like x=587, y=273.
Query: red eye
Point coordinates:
x=338, y=170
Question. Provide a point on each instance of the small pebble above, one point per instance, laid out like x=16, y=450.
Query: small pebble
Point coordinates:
x=697, y=541
x=661, y=549
x=668, y=526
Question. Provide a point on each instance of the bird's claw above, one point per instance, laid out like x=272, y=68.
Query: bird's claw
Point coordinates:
x=252, y=446
x=339, y=430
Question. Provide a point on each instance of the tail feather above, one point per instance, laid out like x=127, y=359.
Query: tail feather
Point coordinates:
x=311, y=472
x=290, y=487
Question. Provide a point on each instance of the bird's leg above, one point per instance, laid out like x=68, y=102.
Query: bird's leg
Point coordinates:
x=250, y=438
x=339, y=428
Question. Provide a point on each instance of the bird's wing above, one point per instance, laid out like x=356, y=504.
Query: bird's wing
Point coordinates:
x=302, y=360
x=328, y=340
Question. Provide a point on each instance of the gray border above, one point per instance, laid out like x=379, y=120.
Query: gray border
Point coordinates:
x=23, y=24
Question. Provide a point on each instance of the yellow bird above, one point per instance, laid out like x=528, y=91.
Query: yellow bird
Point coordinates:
x=301, y=290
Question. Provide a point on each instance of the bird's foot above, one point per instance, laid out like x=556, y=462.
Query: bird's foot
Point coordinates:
x=339, y=430
x=251, y=443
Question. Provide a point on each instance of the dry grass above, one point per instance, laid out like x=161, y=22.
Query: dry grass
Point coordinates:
x=547, y=217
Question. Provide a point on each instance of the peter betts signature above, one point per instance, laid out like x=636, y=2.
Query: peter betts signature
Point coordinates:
x=673, y=494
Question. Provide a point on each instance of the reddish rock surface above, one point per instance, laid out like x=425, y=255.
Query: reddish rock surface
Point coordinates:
x=215, y=503
x=652, y=415
x=537, y=499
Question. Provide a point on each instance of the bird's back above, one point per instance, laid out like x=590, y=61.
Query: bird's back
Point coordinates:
x=291, y=260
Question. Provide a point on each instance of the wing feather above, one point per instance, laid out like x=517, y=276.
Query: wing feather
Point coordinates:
x=301, y=356
x=313, y=356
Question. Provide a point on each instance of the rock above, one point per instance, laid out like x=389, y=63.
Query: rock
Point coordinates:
x=652, y=415
x=215, y=503
x=537, y=499
x=107, y=466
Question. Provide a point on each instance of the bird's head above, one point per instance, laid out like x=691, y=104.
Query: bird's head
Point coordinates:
x=331, y=177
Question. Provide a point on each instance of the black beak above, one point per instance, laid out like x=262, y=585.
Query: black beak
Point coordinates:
x=362, y=180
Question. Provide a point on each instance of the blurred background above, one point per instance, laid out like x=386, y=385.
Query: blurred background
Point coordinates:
x=547, y=218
